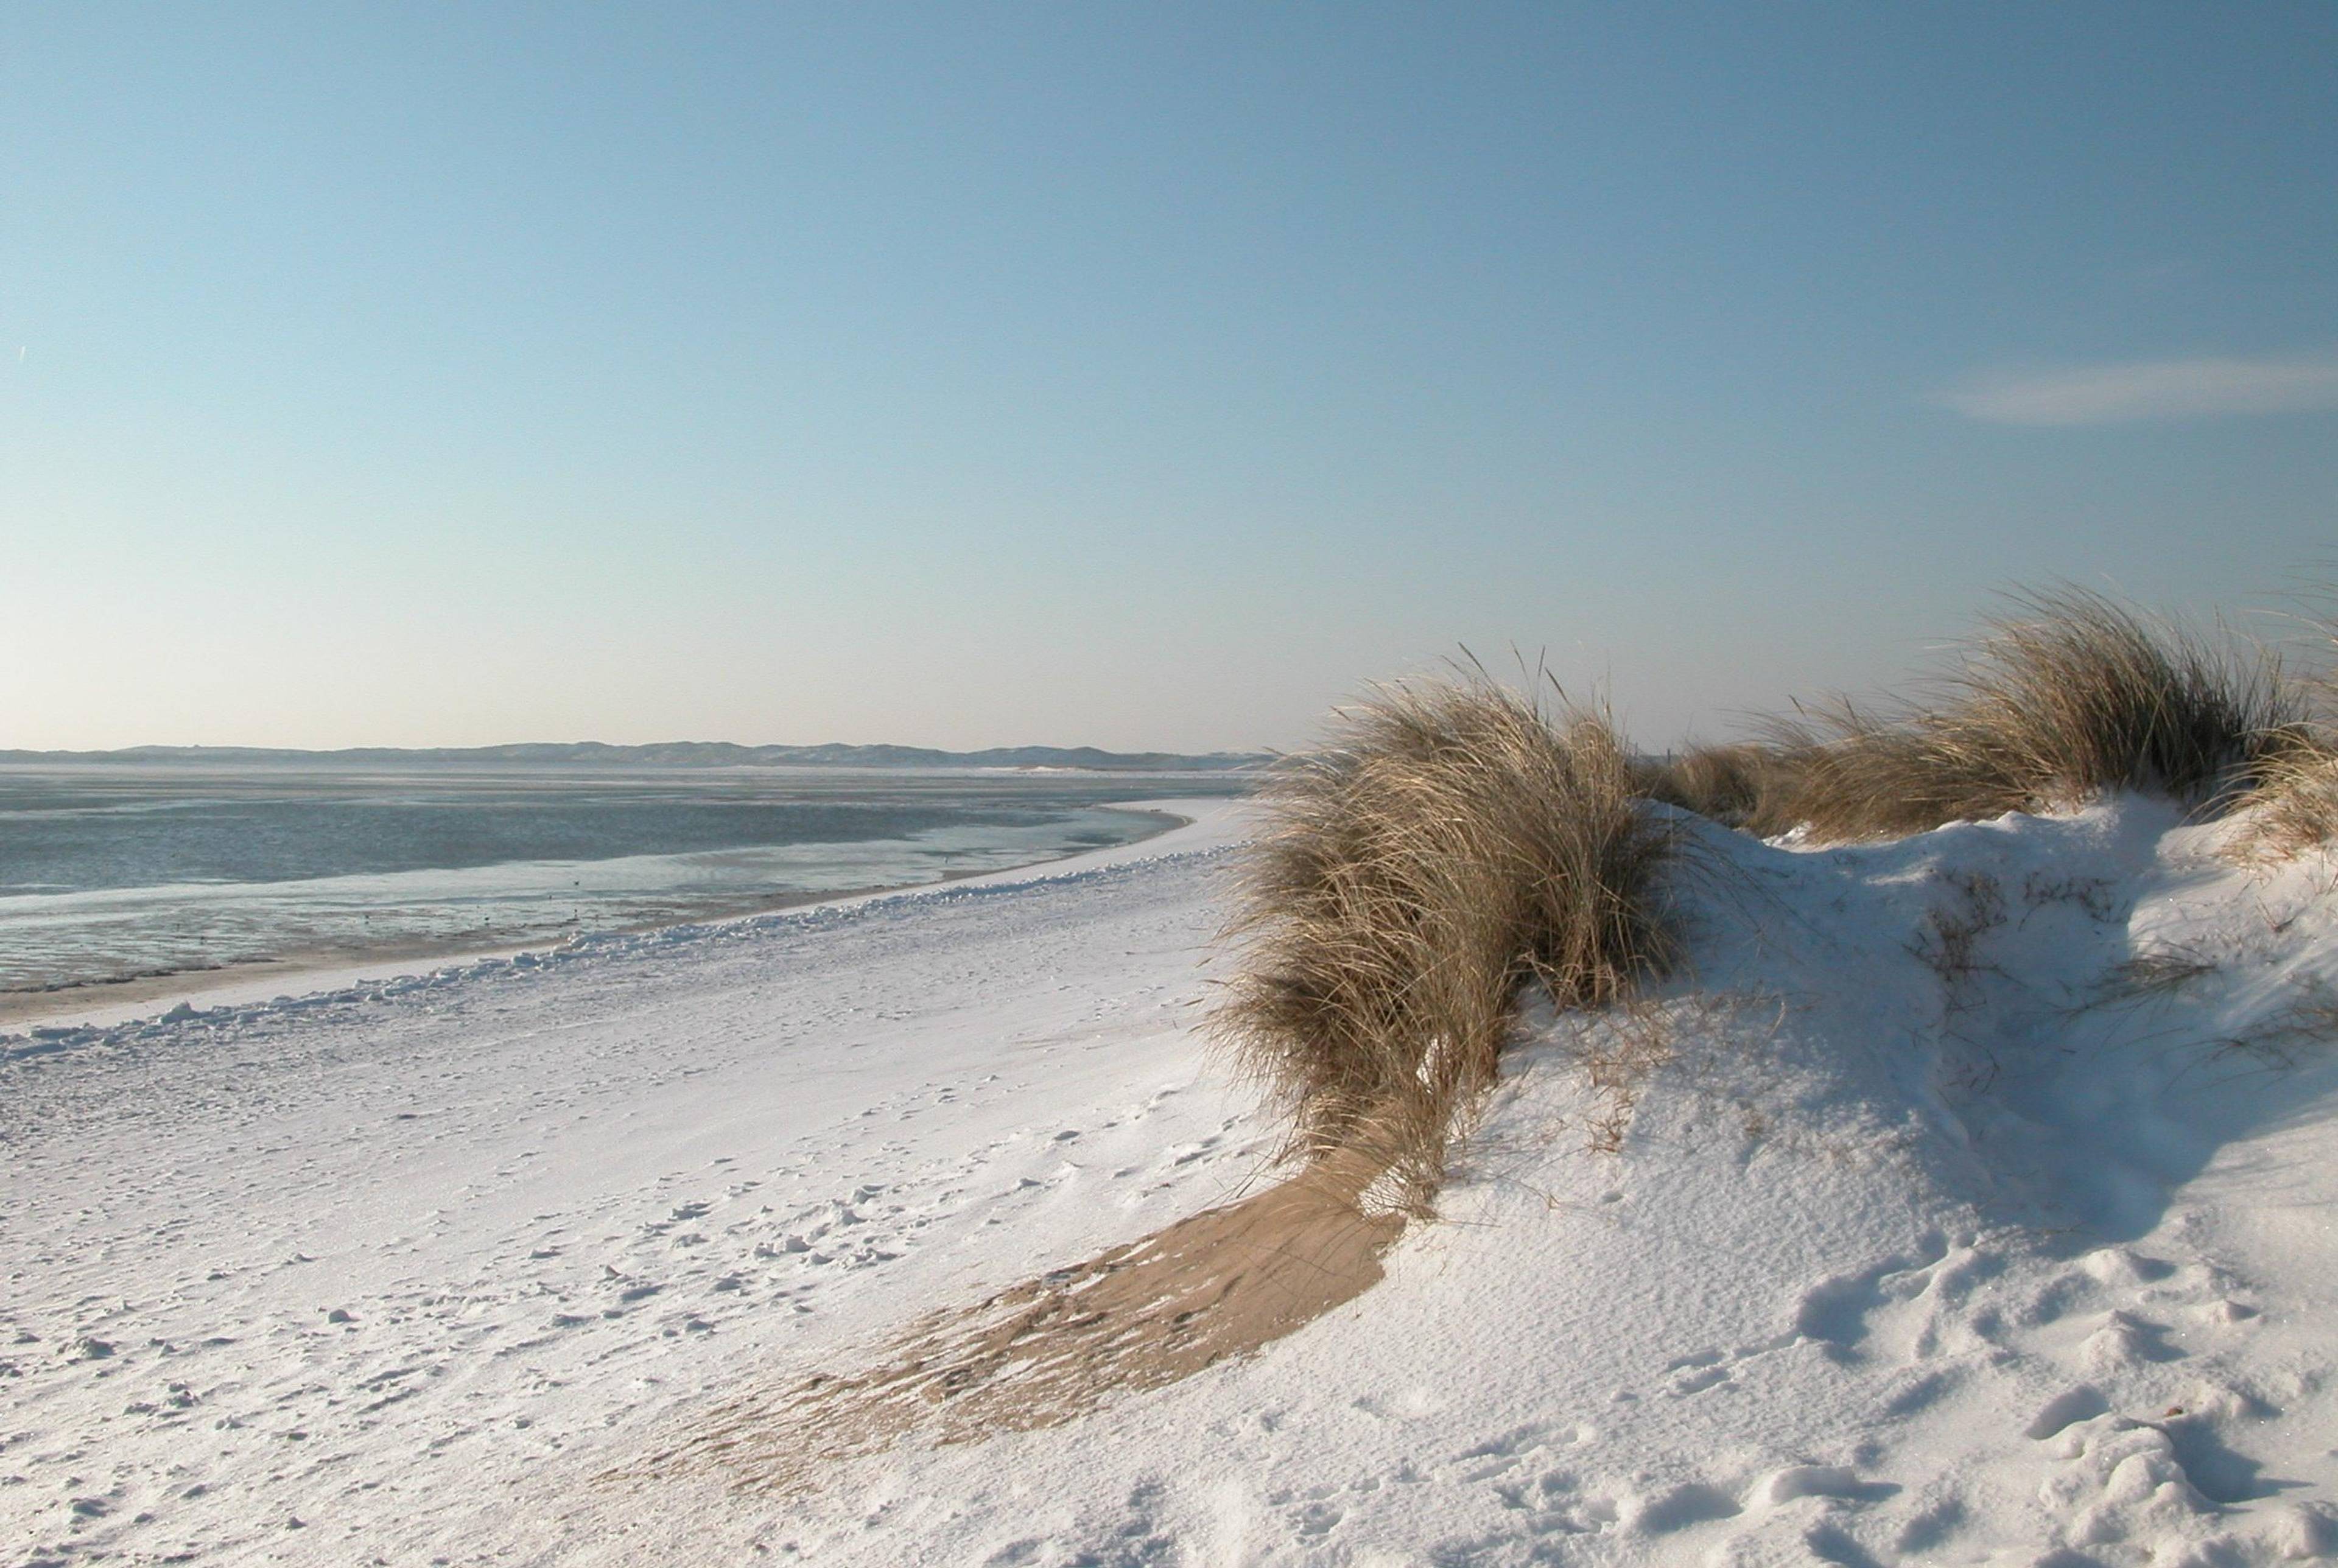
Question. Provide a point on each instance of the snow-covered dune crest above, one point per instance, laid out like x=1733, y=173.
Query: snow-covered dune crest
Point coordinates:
x=1969, y=1203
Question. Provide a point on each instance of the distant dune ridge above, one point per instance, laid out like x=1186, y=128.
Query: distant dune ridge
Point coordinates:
x=682, y=754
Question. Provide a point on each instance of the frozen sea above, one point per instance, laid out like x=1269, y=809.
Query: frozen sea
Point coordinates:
x=114, y=872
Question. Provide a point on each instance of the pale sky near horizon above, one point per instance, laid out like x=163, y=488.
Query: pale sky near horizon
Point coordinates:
x=1128, y=375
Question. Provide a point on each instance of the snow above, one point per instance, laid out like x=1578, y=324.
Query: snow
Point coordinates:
x=1974, y=1206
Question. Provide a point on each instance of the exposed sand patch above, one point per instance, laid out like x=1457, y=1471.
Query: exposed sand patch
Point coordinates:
x=1222, y=1283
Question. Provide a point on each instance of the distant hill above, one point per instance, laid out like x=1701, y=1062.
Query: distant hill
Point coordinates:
x=685, y=754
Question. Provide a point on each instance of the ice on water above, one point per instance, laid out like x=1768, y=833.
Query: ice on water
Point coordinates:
x=110, y=871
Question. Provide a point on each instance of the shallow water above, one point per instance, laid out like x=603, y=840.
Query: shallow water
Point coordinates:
x=113, y=871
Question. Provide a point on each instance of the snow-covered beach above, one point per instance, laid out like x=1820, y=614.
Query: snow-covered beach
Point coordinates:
x=128, y=882
x=1976, y=1207
x=497, y=1155
x=1037, y=786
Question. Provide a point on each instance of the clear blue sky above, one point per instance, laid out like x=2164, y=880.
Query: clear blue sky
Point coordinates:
x=1141, y=376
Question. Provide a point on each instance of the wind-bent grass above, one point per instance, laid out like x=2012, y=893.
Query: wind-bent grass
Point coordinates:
x=2073, y=696
x=1736, y=785
x=2296, y=780
x=2297, y=795
x=1453, y=843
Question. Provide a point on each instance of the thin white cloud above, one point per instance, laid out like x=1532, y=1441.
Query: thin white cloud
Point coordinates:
x=2152, y=389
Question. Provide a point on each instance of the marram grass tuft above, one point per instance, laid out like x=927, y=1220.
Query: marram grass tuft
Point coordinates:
x=2071, y=696
x=1455, y=842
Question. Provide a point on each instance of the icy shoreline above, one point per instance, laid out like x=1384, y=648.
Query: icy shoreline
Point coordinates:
x=104, y=1002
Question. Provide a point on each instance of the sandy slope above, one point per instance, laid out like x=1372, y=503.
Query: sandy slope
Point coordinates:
x=1981, y=1212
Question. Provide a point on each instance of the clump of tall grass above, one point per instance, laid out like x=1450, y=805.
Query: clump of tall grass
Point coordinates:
x=2298, y=796
x=1736, y=785
x=2295, y=781
x=1454, y=841
x=2071, y=696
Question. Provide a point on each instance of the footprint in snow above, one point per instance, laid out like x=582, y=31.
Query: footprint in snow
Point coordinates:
x=2120, y=1267
x=1832, y=1481
x=1678, y=1507
x=1319, y=1519
x=2125, y=1341
x=1699, y=1380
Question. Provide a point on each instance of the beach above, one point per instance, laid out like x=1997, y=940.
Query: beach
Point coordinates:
x=466, y=1266
x=370, y=1262
x=131, y=881
x=1169, y=786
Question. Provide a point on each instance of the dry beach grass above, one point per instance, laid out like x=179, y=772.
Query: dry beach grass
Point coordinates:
x=1456, y=842
x=2297, y=800
x=2294, y=786
x=2070, y=695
